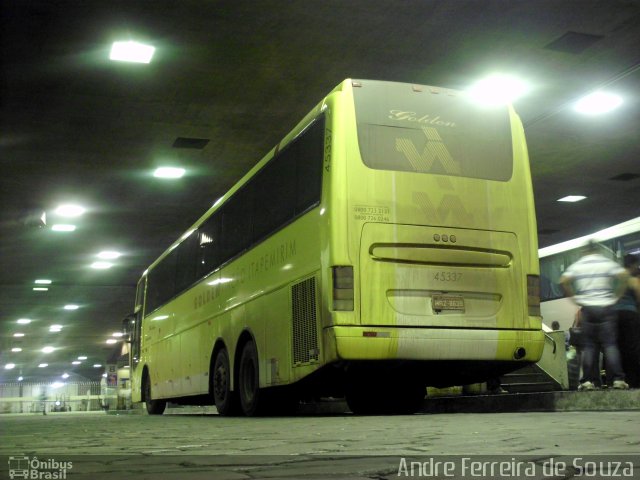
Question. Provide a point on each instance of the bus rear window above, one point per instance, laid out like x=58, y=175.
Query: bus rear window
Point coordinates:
x=441, y=133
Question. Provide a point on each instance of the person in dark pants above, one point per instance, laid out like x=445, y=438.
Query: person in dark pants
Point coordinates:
x=629, y=323
x=596, y=283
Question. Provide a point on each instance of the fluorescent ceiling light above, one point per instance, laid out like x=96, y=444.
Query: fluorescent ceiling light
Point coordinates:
x=42, y=281
x=65, y=375
x=20, y=379
x=76, y=362
x=169, y=172
x=109, y=255
x=82, y=357
x=24, y=321
x=10, y=366
x=70, y=210
x=57, y=385
x=48, y=349
x=18, y=335
x=101, y=265
x=498, y=90
x=16, y=349
x=117, y=334
x=597, y=103
x=71, y=307
x=131, y=52
x=572, y=198
x=111, y=341
x=96, y=365
x=40, y=289
x=63, y=227
x=43, y=365
x=55, y=328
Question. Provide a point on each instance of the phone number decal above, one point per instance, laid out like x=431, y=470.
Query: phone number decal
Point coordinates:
x=371, y=214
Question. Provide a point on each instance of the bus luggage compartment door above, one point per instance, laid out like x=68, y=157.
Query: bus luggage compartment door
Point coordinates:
x=416, y=276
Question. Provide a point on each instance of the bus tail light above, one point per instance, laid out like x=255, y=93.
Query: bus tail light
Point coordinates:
x=533, y=295
x=342, y=288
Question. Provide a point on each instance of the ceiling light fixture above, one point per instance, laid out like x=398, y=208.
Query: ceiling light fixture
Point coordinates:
x=16, y=349
x=63, y=227
x=24, y=321
x=70, y=210
x=71, y=307
x=108, y=255
x=572, y=198
x=47, y=349
x=10, y=366
x=169, y=172
x=43, y=365
x=96, y=365
x=82, y=357
x=18, y=335
x=111, y=341
x=55, y=328
x=76, y=362
x=40, y=289
x=597, y=103
x=131, y=52
x=42, y=281
x=101, y=265
x=498, y=89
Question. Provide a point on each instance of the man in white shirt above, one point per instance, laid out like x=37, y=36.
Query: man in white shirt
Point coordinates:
x=596, y=283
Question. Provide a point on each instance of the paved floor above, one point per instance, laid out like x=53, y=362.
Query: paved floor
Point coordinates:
x=321, y=446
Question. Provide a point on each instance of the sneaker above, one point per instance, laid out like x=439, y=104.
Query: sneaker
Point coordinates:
x=620, y=385
x=587, y=386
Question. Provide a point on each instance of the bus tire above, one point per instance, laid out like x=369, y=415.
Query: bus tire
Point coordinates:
x=154, y=407
x=226, y=400
x=392, y=393
x=249, y=381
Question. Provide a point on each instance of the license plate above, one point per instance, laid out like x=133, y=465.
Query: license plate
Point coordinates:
x=447, y=302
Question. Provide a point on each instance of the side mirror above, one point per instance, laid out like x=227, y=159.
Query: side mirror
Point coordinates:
x=127, y=326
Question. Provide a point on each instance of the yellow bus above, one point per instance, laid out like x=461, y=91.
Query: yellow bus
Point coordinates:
x=387, y=243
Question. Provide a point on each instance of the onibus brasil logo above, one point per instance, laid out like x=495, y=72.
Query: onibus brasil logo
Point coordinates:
x=33, y=468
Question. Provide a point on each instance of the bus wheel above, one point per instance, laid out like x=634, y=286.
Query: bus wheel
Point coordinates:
x=409, y=398
x=154, y=407
x=226, y=400
x=249, y=380
x=390, y=394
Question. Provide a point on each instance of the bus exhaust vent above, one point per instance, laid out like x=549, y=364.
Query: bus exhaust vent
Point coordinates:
x=305, y=331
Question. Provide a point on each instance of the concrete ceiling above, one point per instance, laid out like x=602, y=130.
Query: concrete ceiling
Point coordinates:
x=77, y=128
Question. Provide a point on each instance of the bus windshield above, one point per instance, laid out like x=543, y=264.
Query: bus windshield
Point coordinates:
x=420, y=129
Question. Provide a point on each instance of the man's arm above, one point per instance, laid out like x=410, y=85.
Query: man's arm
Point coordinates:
x=566, y=283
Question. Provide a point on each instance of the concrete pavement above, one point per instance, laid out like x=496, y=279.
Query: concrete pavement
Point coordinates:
x=194, y=446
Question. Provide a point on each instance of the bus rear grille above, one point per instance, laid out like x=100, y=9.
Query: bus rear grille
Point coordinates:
x=305, y=331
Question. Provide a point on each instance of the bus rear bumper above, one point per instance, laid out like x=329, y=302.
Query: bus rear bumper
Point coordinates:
x=433, y=344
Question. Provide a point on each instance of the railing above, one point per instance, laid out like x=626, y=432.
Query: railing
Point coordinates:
x=45, y=398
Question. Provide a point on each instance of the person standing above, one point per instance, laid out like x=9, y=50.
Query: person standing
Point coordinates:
x=596, y=283
x=629, y=322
